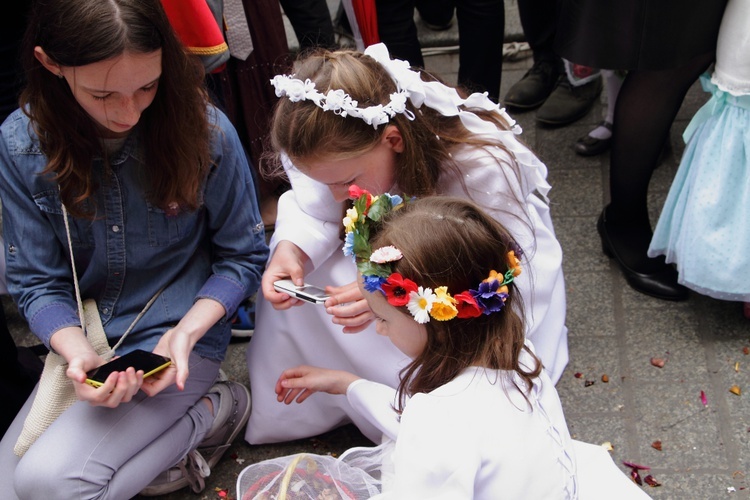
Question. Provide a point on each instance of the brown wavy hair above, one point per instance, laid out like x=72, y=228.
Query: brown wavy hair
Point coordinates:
x=452, y=242
x=305, y=132
x=173, y=130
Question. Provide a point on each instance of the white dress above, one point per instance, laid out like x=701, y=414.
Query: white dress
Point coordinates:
x=309, y=217
x=476, y=437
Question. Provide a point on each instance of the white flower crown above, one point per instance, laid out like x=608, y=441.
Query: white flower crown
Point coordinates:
x=340, y=102
x=433, y=94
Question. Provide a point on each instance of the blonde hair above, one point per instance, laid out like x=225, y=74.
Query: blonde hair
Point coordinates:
x=303, y=131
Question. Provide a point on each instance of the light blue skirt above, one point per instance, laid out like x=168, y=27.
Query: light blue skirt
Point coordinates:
x=704, y=227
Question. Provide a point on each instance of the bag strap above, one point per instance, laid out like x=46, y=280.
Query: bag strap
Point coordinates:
x=78, y=289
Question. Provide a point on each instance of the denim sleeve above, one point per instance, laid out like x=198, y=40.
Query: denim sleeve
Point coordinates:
x=39, y=276
x=237, y=234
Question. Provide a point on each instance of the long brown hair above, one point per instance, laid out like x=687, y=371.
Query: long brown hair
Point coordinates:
x=305, y=132
x=173, y=130
x=451, y=242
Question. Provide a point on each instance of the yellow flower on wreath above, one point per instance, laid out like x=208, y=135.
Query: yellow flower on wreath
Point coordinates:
x=514, y=263
x=351, y=219
x=444, y=308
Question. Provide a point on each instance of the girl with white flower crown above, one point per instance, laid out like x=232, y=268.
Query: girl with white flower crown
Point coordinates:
x=346, y=117
x=474, y=415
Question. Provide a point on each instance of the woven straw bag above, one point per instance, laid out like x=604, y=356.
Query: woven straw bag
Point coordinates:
x=55, y=392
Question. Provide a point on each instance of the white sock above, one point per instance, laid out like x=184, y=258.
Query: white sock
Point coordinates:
x=601, y=133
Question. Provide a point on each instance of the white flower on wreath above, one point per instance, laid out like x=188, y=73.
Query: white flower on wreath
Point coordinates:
x=295, y=89
x=386, y=254
x=373, y=115
x=398, y=102
x=420, y=304
x=339, y=102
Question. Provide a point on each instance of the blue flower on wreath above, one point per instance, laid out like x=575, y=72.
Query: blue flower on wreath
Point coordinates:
x=488, y=298
x=373, y=283
x=349, y=246
x=396, y=200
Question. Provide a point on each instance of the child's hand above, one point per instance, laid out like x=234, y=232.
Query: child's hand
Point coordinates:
x=303, y=381
x=348, y=307
x=287, y=262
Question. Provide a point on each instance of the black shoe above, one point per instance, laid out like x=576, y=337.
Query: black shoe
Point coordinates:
x=661, y=283
x=591, y=146
x=535, y=87
x=568, y=103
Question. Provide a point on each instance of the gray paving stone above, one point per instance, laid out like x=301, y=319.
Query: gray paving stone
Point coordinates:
x=594, y=315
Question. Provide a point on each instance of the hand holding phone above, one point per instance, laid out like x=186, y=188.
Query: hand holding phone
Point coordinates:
x=308, y=293
x=139, y=359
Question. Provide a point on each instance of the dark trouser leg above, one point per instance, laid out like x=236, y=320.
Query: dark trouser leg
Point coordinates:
x=398, y=31
x=481, y=26
x=311, y=21
x=15, y=383
x=538, y=19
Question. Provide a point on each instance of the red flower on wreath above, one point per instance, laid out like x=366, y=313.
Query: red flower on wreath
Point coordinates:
x=467, y=306
x=355, y=192
x=397, y=289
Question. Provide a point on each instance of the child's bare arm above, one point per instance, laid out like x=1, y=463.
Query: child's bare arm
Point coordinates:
x=303, y=381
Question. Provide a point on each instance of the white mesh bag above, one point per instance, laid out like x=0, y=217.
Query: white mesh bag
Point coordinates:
x=305, y=477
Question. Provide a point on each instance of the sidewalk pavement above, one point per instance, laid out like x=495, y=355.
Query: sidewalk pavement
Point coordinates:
x=704, y=450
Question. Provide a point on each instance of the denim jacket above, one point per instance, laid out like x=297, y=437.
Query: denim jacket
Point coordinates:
x=131, y=248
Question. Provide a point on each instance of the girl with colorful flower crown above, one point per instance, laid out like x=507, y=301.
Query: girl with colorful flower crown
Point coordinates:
x=474, y=415
x=346, y=117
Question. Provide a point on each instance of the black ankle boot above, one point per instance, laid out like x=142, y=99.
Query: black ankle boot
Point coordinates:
x=660, y=282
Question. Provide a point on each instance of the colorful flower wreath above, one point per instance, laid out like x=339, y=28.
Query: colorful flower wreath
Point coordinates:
x=422, y=302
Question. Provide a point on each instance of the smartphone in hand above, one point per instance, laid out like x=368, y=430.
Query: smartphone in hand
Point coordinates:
x=308, y=293
x=139, y=359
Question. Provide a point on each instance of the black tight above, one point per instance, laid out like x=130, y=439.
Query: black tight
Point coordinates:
x=646, y=107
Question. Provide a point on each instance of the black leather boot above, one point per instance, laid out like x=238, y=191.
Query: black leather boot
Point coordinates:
x=534, y=87
x=660, y=281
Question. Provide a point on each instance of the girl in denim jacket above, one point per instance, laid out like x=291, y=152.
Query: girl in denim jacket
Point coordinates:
x=115, y=128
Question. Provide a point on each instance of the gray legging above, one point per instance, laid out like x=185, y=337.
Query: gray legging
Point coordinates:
x=96, y=452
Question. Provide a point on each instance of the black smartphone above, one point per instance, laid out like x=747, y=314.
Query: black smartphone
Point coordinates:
x=139, y=359
x=309, y=293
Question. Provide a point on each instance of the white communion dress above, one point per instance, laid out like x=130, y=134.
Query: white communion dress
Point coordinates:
x=476, y=437
x=309, y=217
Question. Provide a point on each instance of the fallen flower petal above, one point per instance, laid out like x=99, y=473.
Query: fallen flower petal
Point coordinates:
x=658, y=362
x=737, y=367
x=746, y=350
x=704, y=400
x=635, y=466
x=608, y=446
x=636, y=477
x=735, y=389
x=651, y=481
x=656, y=445
x=588, y=383
x=605, y=378
x=578, y=374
